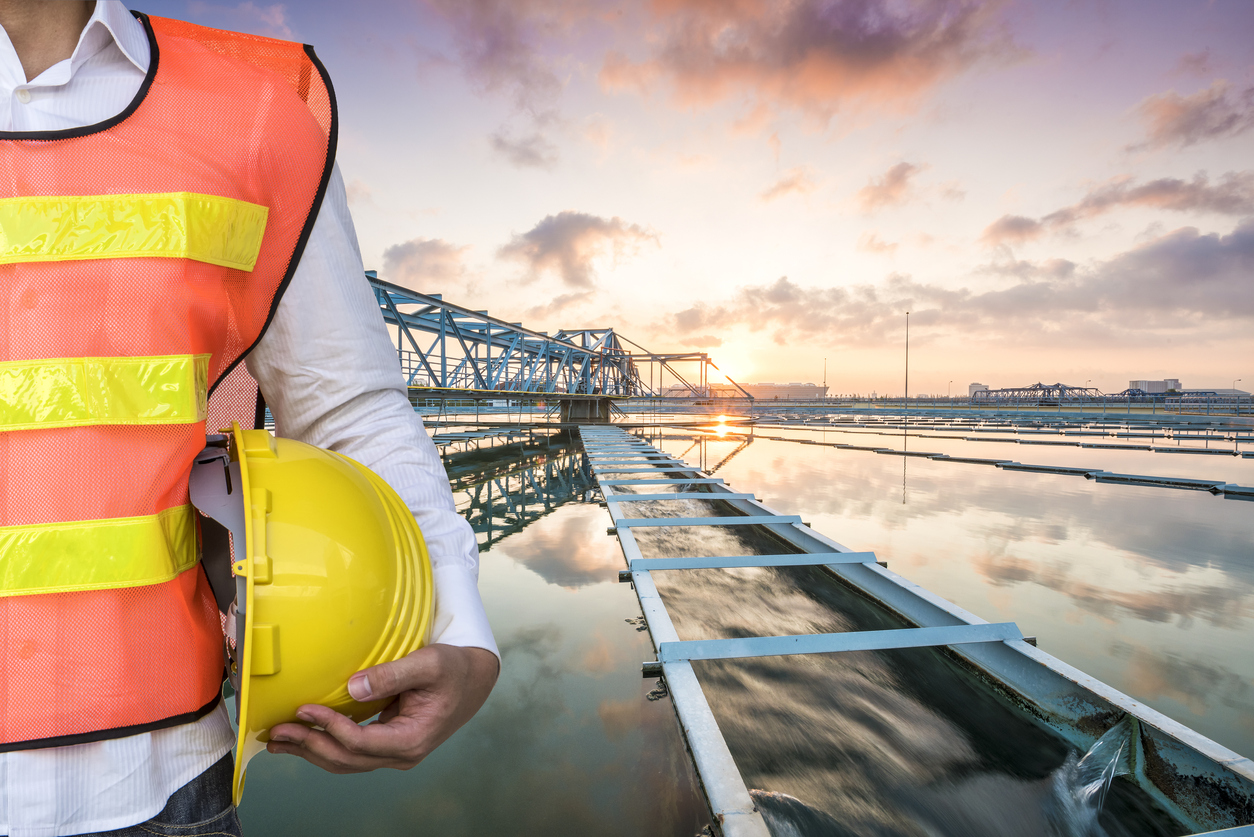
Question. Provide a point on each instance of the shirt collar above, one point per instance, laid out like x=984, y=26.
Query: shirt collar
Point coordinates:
x=128, y=33
x=109, y=22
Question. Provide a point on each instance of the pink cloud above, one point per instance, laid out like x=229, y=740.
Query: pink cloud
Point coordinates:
x=799, y=181
x=1185, y=281
x=814, y=56
x=872, y=243
x=425, y=264
x=1213, y=113
x=893, y=189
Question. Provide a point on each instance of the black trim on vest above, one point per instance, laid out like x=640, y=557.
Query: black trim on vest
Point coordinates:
x=88, y=130
x=299, y=249
x=115, y=732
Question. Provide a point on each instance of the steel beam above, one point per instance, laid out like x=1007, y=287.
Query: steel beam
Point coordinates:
x=705, y=481
x=778, y=646
x=744, y=520
x=688, y=495
x=731, y=561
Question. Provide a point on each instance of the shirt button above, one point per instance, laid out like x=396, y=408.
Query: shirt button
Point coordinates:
x=23, y=96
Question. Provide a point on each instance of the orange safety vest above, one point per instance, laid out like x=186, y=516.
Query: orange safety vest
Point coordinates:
x=140, y=260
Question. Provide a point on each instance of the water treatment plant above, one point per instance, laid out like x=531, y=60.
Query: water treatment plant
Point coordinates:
x=864, y=618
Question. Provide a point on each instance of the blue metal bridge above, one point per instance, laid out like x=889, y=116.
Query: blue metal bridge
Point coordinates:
x=447, y=350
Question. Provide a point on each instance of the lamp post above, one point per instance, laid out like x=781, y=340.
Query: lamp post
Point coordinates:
x=949, y=390
x=906, y=398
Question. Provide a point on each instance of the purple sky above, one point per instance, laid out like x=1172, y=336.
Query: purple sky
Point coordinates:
x=1054, y=190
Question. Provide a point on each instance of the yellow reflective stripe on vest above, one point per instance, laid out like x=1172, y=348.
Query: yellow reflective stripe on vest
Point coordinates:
x=183, y=225
x=97, y=554
x=75, y=392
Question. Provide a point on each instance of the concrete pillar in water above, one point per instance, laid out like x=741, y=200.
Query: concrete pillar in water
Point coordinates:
x=585, y=410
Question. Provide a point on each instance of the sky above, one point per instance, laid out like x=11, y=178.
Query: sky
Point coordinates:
x=1055, y=190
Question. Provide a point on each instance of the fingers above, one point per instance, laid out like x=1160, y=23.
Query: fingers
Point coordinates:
x=322, y=750
x=418, y=670
x=400, y=741
x=438, y=687
x=342, y=746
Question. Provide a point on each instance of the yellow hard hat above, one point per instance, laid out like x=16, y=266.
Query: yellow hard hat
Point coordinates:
x=334, y=577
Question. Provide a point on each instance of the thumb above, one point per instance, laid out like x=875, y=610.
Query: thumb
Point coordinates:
x=390, y=679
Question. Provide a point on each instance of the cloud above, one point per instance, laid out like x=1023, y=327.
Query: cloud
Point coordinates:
x=500, y=46
x=953, y=191
x=423, y=262
x=573, y=552
x=814, y=56
x=498, y=42
x=532, y=151
x=1221, y=605
x=359, y=193
x=872, y=243
x=1011, y=229
x=567, y=244
x=1232, y=195
x=599, y=131
x=557, y=305
x=1197, y=683
x=893, y=189
x=799, y=180
x=269, y=21
x=1196, y=64
x=1182, y=280
x=1175, y=120
x=619, y=717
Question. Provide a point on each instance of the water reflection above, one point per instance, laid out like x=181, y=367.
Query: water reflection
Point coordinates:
x=502, y=491
x=570, y=742
x=1222, y=605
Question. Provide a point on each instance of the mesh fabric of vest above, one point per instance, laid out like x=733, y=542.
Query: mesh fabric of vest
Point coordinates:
x=220, y=114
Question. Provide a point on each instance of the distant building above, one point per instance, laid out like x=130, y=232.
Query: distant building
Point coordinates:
x=974, y=388
x=1226, y=391
x=1165, y=385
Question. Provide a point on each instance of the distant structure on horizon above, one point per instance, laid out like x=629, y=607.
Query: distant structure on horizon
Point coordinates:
x=1157, y=387
x=766, y=391
x=974, y=388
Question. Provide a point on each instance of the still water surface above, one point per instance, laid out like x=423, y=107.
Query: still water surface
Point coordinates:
x=1148, y=589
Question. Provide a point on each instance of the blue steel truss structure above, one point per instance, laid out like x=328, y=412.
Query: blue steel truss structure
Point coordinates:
x=445, y=347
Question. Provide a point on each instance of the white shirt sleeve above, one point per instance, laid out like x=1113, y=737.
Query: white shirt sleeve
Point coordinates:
x=331, y=378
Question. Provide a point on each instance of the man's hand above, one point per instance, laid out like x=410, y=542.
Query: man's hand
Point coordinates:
x=438, y=688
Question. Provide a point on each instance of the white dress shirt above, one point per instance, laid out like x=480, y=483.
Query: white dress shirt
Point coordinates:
x=331, y=378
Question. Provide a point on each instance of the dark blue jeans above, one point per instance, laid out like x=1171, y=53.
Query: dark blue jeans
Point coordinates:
x=201, y=808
